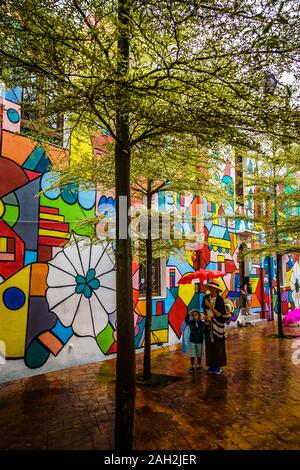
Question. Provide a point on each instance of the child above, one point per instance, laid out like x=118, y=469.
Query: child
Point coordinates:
x=196, y=337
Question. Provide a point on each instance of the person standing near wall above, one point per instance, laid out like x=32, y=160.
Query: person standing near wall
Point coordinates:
x=215, y=318
x=246, y=292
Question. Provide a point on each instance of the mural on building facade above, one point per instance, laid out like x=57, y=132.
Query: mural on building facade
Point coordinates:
x=55, y=285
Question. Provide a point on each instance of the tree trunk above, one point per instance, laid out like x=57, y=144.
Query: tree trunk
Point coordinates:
x=125, y=368
x=279, y=310
x=278, y=260
x=148, y=322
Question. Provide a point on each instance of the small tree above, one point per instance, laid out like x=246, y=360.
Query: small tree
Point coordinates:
x=177, y=164
x=275, y=195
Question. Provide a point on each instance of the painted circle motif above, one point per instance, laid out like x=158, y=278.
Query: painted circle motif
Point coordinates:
x=13, y=115
x=13, y=298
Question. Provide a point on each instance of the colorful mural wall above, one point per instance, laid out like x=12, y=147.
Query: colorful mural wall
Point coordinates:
x=57, y=291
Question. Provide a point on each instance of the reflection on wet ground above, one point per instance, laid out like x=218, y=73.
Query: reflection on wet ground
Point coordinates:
x=253, y=404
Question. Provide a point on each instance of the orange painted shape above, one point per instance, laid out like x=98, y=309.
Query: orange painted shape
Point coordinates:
x=140, y=308
x=38, y=284
x=255, y=302
x=16, y=147
x=51, y=342
x=58, y=156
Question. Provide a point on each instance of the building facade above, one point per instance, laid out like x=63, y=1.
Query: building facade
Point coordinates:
x=57, y=291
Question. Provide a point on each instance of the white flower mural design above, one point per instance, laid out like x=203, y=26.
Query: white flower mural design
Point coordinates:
x=295, y=284
x=82, y=286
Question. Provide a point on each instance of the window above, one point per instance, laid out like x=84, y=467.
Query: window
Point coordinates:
x=239, y=180
x=156, y=278
x=36, y=106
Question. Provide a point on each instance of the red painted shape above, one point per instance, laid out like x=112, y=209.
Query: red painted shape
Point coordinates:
x=177, y=315
x=49, y=210
x=8, y=268
x=53, y=225
x=135, y=294
x=52, y=241
x=229, y=266
x=159, y=309
x=112, y=349
x=12, y=176
x=44, y=253
x=32, y=175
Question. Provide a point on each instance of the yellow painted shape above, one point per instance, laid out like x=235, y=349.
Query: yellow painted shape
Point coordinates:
x=58, y=218
x=3, y=244
x=53, y=233
x=254, y=283
x=81, y=146
x=219, y=242
x=222, y=284
x=288, y=277
x=161, y=335
x=186, y=292
x=189, y=255
x=221, y=258
x=2, y=208
x=13, y=323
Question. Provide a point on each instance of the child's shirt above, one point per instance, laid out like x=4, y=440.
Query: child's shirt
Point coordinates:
x=196, y=329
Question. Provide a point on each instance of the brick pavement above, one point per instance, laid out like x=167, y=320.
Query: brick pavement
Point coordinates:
x=254, y=404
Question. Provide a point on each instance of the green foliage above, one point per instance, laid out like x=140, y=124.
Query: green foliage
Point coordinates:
x=276, y=197
x=194, y=67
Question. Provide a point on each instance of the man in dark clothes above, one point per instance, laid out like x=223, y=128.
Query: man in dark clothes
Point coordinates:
x=215, y=317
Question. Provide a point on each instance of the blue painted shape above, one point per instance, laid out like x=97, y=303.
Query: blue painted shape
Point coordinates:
x=174, y=291
x=13, y=298
x=47, y=180
x=138, y=339
x=13, y=94
x=208, y=224
x=183, y=267
x=86, y=198
x=69, y=193
x=212, y=265
x=27, y=225
x=217, y=231
x=13, y=115
x=160, y=322
x=170, y=299
x=30, y=257
x=62, y=332
x=34, y=158
x=161, y=200
x=195, y=302
x=44, y=164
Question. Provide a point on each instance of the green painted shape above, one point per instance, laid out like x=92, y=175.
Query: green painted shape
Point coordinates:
x=105, y=339
x=73, y=213
x=159, y=322
x=11, y=215
x=36, y=355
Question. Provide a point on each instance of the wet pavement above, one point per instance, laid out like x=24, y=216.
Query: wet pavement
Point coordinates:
x=253, y=404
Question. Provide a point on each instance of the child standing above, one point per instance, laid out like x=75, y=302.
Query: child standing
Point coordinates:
x=196, y=336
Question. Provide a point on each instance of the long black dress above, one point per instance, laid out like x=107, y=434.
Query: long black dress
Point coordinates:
x=215, y=350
